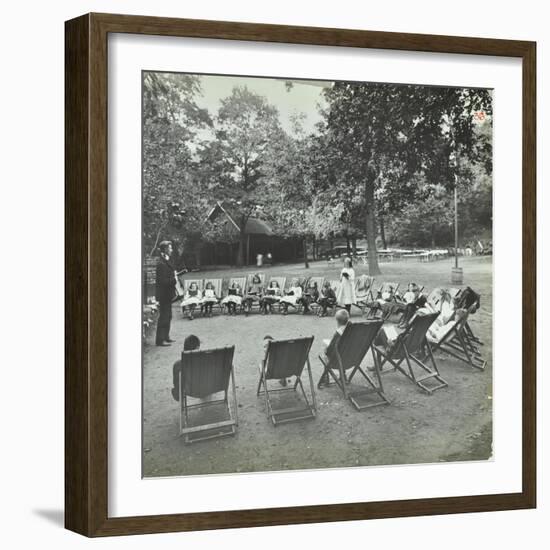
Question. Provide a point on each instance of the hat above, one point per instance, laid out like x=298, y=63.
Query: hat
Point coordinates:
x=164, y=245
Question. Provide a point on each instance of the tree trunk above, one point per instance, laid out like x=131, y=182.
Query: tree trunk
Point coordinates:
x=433, y=235
x=306, y=263
x=354, y=246
x=314, y=248
x=248, y=250
x=198, y=256
x=370, y=227
x=348, y=247
x=242, y=249
x=383, y=233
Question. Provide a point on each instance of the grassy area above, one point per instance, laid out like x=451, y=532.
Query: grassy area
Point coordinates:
x=452, y=424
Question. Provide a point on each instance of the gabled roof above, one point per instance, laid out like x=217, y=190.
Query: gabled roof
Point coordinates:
x=254, y=226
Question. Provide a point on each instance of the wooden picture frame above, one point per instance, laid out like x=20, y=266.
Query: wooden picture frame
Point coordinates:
x=86, y=280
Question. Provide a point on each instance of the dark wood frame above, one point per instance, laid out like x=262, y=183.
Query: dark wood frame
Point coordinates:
x=86, y=274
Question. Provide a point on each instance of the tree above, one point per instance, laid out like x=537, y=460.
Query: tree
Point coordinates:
x=171, y=121
x=246, y=128
x=401, y=128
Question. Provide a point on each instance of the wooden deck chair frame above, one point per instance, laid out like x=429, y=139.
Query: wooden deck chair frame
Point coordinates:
x=284, y=359
x=282, y=284
x=457, y=344
x=218, y=287
x=198, y=374
x=372, y=312
x=411, y=343
x=242, y=283
x=349, y=352
x=368, y=297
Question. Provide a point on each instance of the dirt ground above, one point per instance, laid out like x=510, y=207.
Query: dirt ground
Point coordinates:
x=453, y=424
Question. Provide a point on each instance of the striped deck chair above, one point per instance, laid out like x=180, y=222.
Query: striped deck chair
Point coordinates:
x=452, y=339
x=249, y=280
x=205, y=373
x=363, y=291
x=218, y=285
x=412, y=348
x=241, y=281
x=285, y=359
x=346, y=353
x=281, y=281
x=376, y=310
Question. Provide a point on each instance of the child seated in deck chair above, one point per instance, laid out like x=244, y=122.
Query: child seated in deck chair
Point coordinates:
x=412, y=301
x=310, y=296
x=191, y=300
x=291, y=297
x=439, y=329
x=384, y=302
x=253, y=294
x=326, y=299
x=329, y=344
x=233, y=299
x=272, y=296
x=191, y=343
x=209, y=299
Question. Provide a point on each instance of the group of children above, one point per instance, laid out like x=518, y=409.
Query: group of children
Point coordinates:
x=238, y=299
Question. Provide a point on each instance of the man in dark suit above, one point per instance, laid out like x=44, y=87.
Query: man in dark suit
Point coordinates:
x=165, y=291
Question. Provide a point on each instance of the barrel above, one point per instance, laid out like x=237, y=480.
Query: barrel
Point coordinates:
x=456, y=276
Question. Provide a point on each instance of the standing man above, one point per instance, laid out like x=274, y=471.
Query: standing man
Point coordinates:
x=164, y=291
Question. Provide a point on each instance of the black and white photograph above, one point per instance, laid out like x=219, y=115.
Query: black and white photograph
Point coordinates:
x=317, y=275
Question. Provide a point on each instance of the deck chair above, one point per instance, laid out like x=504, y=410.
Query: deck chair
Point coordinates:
x=409, y=348
x=186, y=283
x=398, y=311
x=363, y=291
x=346, y=353
x=284, y=359
x=290, y=283
x=469, y=299
x=249, y=278
x=204, y=373
x=241, y=281
x=456, y=343
x=373, y=311
x=281, y=281
x=218, y=285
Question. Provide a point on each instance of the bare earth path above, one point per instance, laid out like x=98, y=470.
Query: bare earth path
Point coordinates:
x=453, y=424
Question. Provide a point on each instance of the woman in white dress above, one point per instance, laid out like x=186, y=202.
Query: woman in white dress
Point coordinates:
x=345, y=296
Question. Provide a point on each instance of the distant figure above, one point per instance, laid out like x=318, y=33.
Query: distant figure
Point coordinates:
x=260, y=260
x=346, y=291
x=165, y=291
x=342, y=320
x=269, y=258
x=191, y=343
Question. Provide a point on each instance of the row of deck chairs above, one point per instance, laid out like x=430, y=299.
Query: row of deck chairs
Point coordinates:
x=364, y=287
x=208, y=372
x=221, y=286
